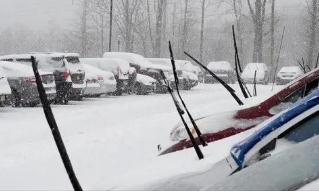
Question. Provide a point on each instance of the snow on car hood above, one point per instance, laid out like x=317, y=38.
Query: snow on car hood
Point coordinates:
x=190, y=75
x=19, y=70
x=214, y=124
x=249, y=71
x=144, y=79
x=274, y=173
x=4, y=85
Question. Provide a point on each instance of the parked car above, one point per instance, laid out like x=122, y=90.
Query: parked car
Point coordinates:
x=187, y=79
x=241, y=120
x=223, y=70
x=119, y=67
x=50, y=62
x=192, y=72
x=98, y=82
x=77, y=74
x=5, y=90
x=287, y=170
x=23, y=86
x=154, y=72
x=279, y=154
x=262, y=73
x=287, y=74
x=144, y=85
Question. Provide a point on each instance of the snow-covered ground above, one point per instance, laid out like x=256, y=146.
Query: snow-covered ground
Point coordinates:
x=112, y=141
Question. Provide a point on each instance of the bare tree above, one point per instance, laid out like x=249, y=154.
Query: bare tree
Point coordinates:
x=313, y=12
x=84, y=38
x=161, y=4
x=258, y=17
x=272, y=33
x=202, y=26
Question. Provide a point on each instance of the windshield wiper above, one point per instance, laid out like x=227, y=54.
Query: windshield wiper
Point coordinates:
x=54, y=128
x=198, y=132
x=227, y=87
x=181, y=112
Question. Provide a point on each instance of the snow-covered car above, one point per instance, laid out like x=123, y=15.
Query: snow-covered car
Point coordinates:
x=98, y=82
x=295, y=168
x=5, y=90
x=144, y=85
x=287, y=74
x=23, y=86
x=234, y=122
x=50, y=62
x=223, y=70
x=191, y=72
x=187, y=79
x=119, y=67
x=262, y=73
x=77, y=74
x=297, y=124
x=154, y=72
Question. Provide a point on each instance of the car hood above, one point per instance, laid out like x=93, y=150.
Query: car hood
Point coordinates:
x=215, y=123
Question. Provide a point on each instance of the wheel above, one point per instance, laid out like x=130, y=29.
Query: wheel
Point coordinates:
x=15, y=99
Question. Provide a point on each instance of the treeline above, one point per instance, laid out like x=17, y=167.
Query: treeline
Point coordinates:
x=201, y=27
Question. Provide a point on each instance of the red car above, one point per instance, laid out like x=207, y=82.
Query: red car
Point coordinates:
x=235, y=122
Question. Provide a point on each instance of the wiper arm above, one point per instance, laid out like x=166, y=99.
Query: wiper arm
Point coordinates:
x=227, y=87
x=181, y=112
x=54, y=128
x=198, y=132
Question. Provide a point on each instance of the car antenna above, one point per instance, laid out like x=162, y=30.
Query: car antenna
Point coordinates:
x=255, y=84
x=227, y=87
x=198, y=132
x=277, y=61
x=181, y=112
x=237, y=65
x=54, y=128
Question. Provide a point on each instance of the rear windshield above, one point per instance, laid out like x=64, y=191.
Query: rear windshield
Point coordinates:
x=73, y=60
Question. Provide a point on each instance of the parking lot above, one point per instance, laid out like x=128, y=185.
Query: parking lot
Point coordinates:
x=105, y=137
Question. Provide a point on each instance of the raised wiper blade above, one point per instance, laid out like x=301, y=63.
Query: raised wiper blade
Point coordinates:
x=198, y=132
x=54, y=128
x=227, y=87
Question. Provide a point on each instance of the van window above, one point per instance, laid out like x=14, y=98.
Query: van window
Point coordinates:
x=73, y=60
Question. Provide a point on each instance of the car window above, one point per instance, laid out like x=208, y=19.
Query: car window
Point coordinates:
x=287, y=102
x=304, y=130
x=311, y=87
x=73, y=60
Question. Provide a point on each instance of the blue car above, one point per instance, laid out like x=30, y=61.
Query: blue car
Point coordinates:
x=295, y=125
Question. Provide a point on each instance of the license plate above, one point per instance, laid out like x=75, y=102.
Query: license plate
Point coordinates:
x=2, y=98
x=78, y=78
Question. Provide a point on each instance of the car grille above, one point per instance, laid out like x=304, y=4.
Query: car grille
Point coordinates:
x=77, y=78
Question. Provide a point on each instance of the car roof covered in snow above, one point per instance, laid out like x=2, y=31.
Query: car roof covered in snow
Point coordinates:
x=266, y=130
x=290, y=69
x=167, y=62
x=108, y=63
x=93, y=72
x=132, y=58
x=220, y=65
x=16, y=69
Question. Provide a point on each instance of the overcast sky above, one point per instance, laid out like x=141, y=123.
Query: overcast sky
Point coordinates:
x=39, y=13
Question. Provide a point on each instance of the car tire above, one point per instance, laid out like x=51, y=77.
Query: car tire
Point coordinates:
x=15, y=99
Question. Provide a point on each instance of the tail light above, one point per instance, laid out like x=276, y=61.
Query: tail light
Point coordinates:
x=100, y=78
x=66, y=74
x=30, y=80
